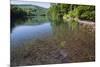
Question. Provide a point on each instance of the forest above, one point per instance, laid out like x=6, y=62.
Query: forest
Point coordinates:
x=65, y=11
x=56, y=11
x=20, y=11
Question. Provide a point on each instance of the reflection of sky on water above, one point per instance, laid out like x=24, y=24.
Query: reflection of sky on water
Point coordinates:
x=24, y=33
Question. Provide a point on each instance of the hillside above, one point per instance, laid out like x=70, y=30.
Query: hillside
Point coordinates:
x=32, y=9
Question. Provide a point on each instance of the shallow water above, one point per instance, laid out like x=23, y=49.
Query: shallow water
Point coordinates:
x=69, y=39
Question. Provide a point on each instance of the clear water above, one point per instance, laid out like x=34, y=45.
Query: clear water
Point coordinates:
x=72, y=40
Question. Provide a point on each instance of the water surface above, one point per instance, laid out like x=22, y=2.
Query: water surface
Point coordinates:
x=36, y=40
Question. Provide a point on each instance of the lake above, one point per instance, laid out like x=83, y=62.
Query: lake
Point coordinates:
x=37, y=40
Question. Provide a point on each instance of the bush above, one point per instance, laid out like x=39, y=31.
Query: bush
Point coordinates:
x=17, y=12
x=86, y=12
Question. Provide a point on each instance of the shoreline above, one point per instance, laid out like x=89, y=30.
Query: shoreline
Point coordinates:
x=90, y=23
x=86, y=22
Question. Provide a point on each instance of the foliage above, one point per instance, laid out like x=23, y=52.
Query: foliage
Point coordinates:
x=19, y=11
x=56, y=11
x=66, y=11
x=86, y=12
x=71, y=16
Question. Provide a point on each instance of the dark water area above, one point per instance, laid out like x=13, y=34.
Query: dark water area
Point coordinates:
x=37, y=40
x=34, y=28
